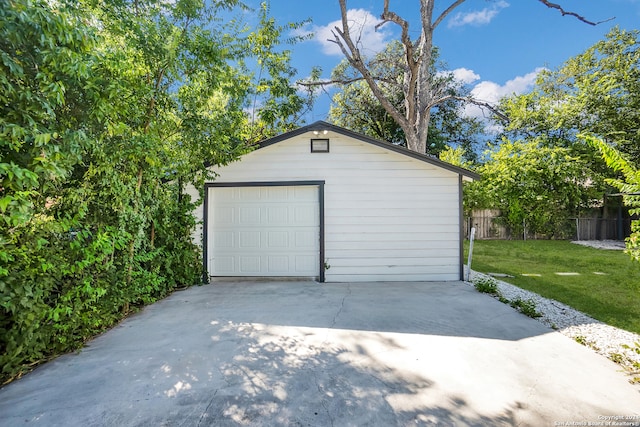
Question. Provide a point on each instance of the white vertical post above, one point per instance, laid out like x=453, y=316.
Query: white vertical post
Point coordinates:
x=471, y=238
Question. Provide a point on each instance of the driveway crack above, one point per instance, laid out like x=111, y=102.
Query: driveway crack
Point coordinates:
x=323, y=402
x=335, y=318
x=204, y=414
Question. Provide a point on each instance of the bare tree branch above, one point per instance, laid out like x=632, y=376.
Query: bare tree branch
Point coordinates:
x=446, y=13
x=352, y=54
x=388, y=16
x=494, y=110
x=323, y=83
x=341, y=81
x=564, y=12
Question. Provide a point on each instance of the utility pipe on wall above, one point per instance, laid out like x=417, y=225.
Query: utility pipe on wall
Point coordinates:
x=471, y=238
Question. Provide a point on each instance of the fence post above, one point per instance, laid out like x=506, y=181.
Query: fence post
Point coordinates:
x=619, y=232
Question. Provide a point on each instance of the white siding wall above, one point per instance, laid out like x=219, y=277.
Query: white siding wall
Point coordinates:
x=388, y=217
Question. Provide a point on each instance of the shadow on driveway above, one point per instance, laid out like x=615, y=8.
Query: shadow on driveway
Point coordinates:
x=307, y=354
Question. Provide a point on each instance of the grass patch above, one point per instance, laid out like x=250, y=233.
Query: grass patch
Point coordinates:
x=611, y=296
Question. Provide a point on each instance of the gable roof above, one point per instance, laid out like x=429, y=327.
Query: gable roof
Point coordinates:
x=322, y=126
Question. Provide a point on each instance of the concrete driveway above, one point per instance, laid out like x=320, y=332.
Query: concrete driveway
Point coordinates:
x=307, y=354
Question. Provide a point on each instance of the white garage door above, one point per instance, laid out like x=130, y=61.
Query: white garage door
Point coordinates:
x=263, y=231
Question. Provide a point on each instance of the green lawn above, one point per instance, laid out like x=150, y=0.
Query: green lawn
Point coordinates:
x=606, y=287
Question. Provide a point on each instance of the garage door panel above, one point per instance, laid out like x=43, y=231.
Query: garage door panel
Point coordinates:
x=278, y=215
x=224, y=215
x=224, y=265
x=224, y=240
x=277, y=239
x=306, y=215
x=249, y=264
x=249, y=193
x=274, y=240
x=264, y=231
x=226, y=194
x=249, y=240
x=301, y=194
x=249, y=215
x=278, y=264
x=276, y=194
x=305, y=263
x=305, y=239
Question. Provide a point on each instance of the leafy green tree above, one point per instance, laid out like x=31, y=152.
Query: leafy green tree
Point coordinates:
x=597, y=91
x=276, y=104
x=42, y=101
x=355, y=106
x=535, y=186
x=47, y=94
x=457, y=157
x=108, y=108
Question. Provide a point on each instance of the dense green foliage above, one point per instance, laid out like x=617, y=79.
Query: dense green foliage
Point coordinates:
x=629, y=185
x=606, y=284
x=108, y=108
x=535, y=186
x=543, y=173
x=597, y=91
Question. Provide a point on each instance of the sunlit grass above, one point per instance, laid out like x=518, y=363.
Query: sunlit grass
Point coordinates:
x=604, y=284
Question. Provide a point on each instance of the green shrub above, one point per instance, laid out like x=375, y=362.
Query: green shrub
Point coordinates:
x=59, y=287
x=526, y=307
x=486, y=285
x=489, y=285
x=102, y=121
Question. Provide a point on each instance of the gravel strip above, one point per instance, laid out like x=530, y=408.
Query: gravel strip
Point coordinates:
x=602, y=338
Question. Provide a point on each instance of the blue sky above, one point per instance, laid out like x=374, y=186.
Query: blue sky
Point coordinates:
x=496, y=46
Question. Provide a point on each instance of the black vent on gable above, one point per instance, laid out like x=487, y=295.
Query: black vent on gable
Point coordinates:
x=320, y=145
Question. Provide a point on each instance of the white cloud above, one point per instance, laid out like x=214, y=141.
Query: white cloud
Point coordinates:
x=459, y=75
x=465, y=75
x=480, y=17
x=362, y=28
x=491, y=92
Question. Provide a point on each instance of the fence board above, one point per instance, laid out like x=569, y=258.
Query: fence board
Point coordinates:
x=488, y=226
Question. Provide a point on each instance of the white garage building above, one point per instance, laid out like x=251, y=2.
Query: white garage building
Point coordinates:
x=326, y=203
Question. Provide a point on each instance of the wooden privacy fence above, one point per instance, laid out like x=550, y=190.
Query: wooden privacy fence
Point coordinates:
x=489, y=226
x=602, y=228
